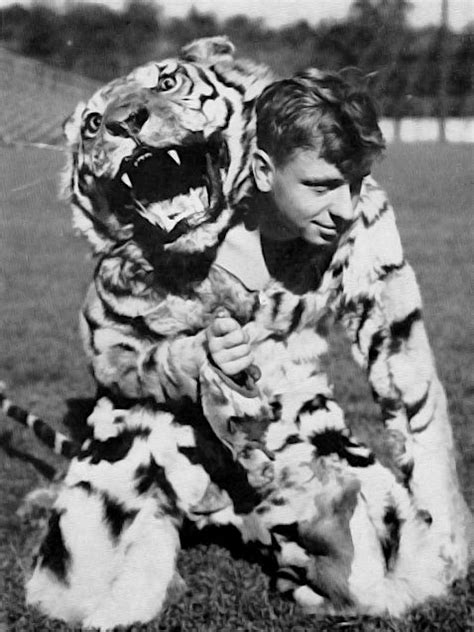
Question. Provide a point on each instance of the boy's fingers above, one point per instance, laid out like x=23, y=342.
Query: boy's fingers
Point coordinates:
x=234, y=339
x=225, y=340
x=222, y=356
x=222, y=326
x=254, y=372
x=236, y=366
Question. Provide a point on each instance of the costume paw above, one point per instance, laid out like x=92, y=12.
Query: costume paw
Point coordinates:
x=214, y=499
x=176, y=589
x=309, y=601
x=36, y=505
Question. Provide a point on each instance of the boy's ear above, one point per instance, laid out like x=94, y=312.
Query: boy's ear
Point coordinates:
x=263, y=170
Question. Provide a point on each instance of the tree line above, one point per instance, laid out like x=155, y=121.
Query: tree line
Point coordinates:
x=402, y=64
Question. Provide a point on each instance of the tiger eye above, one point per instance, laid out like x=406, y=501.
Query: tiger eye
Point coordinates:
x=167, y=83
x=92, y=124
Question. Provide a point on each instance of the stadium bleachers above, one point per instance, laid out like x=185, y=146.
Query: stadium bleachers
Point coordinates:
x=35, y=99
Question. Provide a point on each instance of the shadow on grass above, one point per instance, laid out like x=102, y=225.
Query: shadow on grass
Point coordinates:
x=44, y=468
x=228, y=537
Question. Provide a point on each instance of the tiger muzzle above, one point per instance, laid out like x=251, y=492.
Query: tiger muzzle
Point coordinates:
x=178, y=187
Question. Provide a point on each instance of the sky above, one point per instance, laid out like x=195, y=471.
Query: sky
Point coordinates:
x=279, y=12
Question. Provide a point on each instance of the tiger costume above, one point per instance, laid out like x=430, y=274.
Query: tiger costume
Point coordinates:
x=354, y=548
x=159, y=176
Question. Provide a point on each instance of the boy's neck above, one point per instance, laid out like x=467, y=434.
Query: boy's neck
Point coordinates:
x=266, y=217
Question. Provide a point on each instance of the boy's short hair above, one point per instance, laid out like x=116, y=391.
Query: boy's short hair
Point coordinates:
x=316, y=109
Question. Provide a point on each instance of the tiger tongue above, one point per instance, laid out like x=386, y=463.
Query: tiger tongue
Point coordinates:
x=189, y=208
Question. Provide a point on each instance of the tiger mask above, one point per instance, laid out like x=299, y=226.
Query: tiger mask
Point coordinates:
x=162, y=156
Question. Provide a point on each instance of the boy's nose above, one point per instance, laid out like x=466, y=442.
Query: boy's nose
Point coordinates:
x=342, y=206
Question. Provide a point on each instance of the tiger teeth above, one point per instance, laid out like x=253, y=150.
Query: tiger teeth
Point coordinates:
x=172, y=153
x=126, y=180
x=163, y=222
x=154, y=218
x=142, y=157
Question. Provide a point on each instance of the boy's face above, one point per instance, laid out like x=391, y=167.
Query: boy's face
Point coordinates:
x=309, y=198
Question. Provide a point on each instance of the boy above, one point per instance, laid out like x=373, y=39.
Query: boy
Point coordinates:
x=317, y=138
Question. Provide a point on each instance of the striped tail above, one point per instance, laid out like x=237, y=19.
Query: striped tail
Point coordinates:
x=58, y=442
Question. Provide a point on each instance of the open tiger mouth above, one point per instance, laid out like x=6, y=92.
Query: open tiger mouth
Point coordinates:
x=176, y=188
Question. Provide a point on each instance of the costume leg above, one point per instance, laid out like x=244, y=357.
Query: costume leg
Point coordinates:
x=343, y=529
x=305, y=522
x=109, y=555
x=307, y=514
x=344, y=533
x=95, y=565
x=435, y=485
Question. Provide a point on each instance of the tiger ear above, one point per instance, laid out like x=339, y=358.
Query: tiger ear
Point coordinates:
x=209, y=50
x=72, y=125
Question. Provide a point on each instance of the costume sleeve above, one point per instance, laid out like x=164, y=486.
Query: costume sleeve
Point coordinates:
x=381, y=310
x=380, y=307
x=239, y=415
x=226, y=404
x=134, y=364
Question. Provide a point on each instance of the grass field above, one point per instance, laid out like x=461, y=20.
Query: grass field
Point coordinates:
x=43, y=276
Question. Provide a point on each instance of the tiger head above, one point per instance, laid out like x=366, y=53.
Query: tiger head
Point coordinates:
x=163, y=154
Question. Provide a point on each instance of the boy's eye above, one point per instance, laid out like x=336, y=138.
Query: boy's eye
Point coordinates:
x=324, y=187
x=319, y=189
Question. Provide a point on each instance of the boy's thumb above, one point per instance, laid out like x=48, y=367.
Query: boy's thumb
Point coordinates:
x=222, y=312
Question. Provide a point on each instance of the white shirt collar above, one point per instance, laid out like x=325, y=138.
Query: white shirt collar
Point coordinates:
x=241, y=254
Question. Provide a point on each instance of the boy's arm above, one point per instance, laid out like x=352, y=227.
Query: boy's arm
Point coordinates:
x=134, y=365
x=381, y=310
x=239, y=415
x=227, y=403
x=228, y=382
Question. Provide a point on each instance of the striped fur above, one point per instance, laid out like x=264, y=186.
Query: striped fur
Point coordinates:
x=326, y=520
x=282, y=466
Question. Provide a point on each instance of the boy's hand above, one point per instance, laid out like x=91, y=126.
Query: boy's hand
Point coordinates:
x=228, y=344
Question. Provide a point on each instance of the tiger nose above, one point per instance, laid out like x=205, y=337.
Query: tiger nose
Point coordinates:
x=129, y=125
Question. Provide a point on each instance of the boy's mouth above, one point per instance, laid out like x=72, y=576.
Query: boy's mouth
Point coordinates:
x=324, y=228
x=336, y=227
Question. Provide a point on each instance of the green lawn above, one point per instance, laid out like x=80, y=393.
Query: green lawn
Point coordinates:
x=44, y=272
